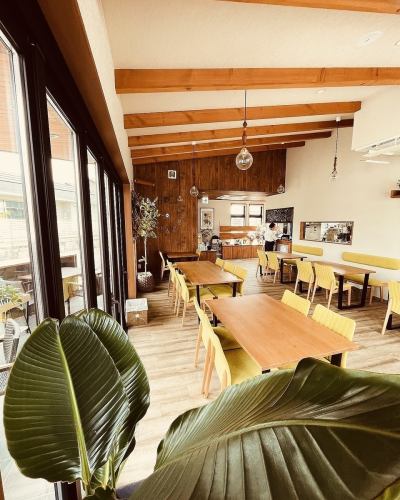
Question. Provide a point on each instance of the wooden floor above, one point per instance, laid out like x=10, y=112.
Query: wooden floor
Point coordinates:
x=167, y=352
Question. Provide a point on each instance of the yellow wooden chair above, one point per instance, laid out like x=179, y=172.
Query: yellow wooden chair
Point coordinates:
x=172, y=279
x=295, y=302
x=305, y=273
x=178, y=290
x=225, y=290
x=273, y=263
x=393, y=303
x=262, y=262
x=232, y=367
x=325, y=278
x=229, y=267
x=337, y=323
x=220, y=263
x=188, y=295
x=227, y=340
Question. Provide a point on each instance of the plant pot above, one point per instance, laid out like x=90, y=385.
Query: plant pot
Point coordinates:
x=146, y=282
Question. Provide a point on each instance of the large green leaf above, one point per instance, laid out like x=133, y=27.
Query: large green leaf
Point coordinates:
x=64, y=403
x=133, y=375
x=319, y=433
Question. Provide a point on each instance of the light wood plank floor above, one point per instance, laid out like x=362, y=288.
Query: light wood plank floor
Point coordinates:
x=167, y=351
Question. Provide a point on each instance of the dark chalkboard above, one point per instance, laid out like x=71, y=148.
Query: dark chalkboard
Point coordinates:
x=279, y=215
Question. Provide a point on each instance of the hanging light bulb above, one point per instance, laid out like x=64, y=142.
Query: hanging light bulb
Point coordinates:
x=193, y=190
x=244, y=159
x=281, y=189
x=335, y=173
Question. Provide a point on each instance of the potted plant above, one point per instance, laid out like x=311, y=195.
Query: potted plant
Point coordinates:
x=315, y=432
x=145, y=221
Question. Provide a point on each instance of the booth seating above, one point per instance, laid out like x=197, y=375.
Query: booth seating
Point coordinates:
x=307, y=250
x=373, y=261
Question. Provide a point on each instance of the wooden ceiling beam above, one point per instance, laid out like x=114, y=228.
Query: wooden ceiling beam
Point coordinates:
x=163, y=119
x=129, y=81
x=209, y=154
x=228, y=133
x=236, y=144
x=380, y=6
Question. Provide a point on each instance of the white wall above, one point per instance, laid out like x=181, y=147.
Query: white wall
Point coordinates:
x=361, y=194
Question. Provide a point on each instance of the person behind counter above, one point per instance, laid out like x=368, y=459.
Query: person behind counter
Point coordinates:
x=270, y=237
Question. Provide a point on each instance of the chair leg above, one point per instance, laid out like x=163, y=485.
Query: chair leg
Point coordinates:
x=309, y=288
x=196, y=353
x=275, y=275
x=290, y=273
x=330, y=298
x=162, y=272
x=208, y=376
x=371, y=295
x=349, y=297
x=184, y=312
x=169, y=285
x=388, y=312
x=205, y=371
x=295, y=286
x=381, y=293
x=313, y=295
x=178, y=307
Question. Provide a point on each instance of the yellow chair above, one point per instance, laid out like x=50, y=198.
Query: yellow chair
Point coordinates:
x=172, y=279
x=337, y=323
x=232, y=367
x=393, y=303
x=229, y=267
x=226, y=338
x=225, y=290
x=220, y=263
x=325, y=278
x=262, y=262
x=305, y=273
x=178, y=290
x=273, y=263
x=295, y=302
x=188, y=295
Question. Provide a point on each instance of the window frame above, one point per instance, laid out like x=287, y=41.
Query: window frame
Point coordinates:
x=236, y=216
x=260, y=217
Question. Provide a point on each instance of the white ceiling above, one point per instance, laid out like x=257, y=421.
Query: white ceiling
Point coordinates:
x=210, y=33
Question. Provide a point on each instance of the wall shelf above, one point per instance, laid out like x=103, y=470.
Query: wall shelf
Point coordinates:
x=395, y=193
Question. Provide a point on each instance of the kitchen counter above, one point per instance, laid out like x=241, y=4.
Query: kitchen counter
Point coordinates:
x=240, y=251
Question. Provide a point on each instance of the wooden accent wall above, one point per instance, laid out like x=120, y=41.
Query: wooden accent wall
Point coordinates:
x=178, y=232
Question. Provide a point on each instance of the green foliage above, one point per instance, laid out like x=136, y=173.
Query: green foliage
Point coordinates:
x=320, y=432
x=145, y=217
x=10, y=293
x=82, y=388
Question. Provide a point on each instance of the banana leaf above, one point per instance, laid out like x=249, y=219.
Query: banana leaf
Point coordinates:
x=320, y=432
x=65, y=403
x=134, y=380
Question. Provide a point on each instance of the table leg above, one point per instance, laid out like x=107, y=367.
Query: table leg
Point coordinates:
x=340, y=292
x=198, y=297
x=336, y=359
x=261, y=273
x=234, y=288
x=281, y=266
x=266, y=371
x=215, y=320
x=364, y=290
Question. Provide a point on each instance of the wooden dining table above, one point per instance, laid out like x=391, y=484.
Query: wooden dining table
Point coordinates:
x=204, y=273
x=282, y=256
x=340, y=271
x=181, y=256
x=274, y=334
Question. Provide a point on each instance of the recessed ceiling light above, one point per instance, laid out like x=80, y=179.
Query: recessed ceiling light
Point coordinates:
x=321, y=91
x=369, y=38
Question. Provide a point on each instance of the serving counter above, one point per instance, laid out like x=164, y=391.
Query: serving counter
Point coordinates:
x=240, y=251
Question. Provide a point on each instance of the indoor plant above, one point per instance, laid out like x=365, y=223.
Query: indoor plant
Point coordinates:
x=316, y=432
x=145, y=221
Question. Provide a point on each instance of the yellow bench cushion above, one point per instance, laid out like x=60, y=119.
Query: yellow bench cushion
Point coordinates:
x=372, y=260
x=227, y=340
x=306, y=249
x=359, y=278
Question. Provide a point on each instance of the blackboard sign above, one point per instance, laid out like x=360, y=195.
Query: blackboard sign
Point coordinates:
x=279, y=215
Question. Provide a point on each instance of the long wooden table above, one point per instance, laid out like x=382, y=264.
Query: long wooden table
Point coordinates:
x=274, y=334
x=203, y=273
x=178, y=256
x=282, y=256
x=343, y=269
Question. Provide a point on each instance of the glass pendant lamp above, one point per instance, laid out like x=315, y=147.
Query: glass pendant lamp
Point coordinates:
x=244, y=160
x=193, y=190
x=335, y=173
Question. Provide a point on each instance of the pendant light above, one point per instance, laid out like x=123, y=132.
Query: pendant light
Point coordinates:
x=193, y=190
x=281, y=189
x=244, y=159
x=335, y=173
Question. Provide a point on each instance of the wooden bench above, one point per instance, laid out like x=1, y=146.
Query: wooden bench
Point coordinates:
x=374, y=261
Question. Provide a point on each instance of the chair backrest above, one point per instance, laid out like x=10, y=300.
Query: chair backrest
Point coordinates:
x=220, y=361
x=394, y=296
x=241, y=273
x=184, y=291
x=171, y=271
x=324, y=276
x=337, y=323
x=273, y=262
x=229, y=267
x=262, y=258
x=220, y=263
x=295, y=302
x=11, y=339
x=162, y=258
x=305, y=271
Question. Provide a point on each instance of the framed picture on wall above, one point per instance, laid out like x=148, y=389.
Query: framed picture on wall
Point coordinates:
x=206, y=218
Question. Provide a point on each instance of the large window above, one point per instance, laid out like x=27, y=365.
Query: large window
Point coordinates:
x=238, y=214
x=255, y=215
x=18, y=298
x=67, y=191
